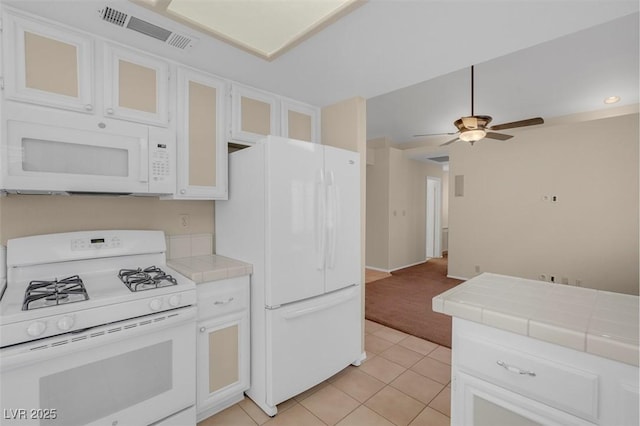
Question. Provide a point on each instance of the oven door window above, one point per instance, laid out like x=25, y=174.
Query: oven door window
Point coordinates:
x=114, y=385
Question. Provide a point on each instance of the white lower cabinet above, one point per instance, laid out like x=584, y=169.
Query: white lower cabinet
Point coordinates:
x=502, y=378
x=222, y=344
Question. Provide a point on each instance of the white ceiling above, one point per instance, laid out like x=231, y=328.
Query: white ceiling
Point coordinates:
x=386, y=45
x=568, y=75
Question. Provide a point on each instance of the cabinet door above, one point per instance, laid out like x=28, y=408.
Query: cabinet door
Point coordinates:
x=47, y=64
x=202, y=153
x=136, y=87
x=476, y=402
x=254, y=114
x=300, y=121
x=222, y=359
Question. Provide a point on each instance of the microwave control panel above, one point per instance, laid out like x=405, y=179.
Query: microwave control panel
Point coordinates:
x=160, y=162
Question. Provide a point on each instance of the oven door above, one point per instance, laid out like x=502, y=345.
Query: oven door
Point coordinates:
x=134, y=372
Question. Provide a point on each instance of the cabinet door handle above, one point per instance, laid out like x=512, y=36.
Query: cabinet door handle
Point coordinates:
x=514, y=369
x=88, y=107
x=110, y=111
x=202, y=329
x=223, y=302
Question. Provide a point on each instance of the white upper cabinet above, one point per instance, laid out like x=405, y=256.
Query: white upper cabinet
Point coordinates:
x=300, y=121
x=202, y=148
x=136, y=86
x=47, y=65
x=254, y=114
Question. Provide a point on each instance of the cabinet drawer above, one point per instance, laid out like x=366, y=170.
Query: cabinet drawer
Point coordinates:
x=557, y=385
x=222, y=297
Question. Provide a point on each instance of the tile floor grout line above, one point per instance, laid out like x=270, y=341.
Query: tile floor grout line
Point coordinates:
x=247, y=413
x=439, y=363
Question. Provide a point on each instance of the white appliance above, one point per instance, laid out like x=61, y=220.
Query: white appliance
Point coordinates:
x=294, y=213
x=44, y=152
x=3, y=270
x=95, y=329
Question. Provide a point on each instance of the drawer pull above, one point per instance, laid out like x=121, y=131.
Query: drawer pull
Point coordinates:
x=515, y=369
x=223, y=302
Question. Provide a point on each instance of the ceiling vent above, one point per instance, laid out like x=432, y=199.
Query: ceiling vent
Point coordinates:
x=121, y=19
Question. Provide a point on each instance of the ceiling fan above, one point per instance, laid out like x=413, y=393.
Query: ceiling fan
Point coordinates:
x=475, y=127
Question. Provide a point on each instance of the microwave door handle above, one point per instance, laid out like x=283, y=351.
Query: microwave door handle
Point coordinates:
x=144, y=160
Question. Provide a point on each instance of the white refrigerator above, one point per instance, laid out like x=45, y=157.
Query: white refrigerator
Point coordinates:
x=294, y=213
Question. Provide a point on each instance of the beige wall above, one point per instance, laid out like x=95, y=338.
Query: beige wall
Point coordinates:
x=591, y=234
x=24, y=215
x=396, y=207
x=344, y=125
x=445, y=199
x=377, y=243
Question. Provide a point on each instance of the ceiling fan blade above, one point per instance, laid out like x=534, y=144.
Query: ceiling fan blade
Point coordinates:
x=521, y=123
x=435, y=134
x=498, y=136
x=450, y=142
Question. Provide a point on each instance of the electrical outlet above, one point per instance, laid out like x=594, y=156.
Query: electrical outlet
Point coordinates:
x=552, y=278
x=184, y=221
x=554, y=198
x=542, y=277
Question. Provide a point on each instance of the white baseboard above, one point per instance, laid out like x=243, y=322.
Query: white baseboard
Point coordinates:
x=377, y=269
x=407, y=266
x=457, y=278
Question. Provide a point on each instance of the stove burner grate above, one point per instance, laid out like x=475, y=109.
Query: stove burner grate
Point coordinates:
x=40, y=294
x=145, y=279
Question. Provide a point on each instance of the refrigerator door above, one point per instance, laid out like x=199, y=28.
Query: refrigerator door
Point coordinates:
x=342, y=176
x=309, y=341
x=295, y=241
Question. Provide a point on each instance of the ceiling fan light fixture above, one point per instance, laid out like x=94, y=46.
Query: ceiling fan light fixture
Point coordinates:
x=472, y=135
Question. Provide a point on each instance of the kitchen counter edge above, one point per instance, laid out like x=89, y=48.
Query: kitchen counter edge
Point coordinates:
x=497, y=301
x=207, y=268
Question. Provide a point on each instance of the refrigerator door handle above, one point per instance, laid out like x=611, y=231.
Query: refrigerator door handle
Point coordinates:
x=332, y=219
x=321, y=213
x=321, y=307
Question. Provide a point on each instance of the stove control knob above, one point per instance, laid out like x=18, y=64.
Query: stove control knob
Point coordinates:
x=174, y=300
x=65, y=323
x=35, y=329
x=155, y=304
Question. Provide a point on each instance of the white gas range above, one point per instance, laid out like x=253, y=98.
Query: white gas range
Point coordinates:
x=96, y=329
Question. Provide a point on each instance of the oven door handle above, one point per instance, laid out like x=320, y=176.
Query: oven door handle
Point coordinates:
x=50, y=348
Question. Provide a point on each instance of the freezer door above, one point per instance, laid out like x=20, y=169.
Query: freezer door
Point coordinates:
x=294, y=256
x=309, y=341
x=342, y=176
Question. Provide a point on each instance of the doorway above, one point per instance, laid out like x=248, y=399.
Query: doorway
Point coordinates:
x=433, y=213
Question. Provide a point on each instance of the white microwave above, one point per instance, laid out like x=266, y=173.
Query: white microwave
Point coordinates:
x=92, y=156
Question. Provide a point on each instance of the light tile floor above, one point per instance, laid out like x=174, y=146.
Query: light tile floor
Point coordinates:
x=404, y=381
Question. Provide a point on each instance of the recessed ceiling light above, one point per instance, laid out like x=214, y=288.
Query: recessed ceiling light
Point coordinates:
x=611, y=100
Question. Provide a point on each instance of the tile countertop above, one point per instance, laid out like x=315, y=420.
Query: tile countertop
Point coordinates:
x=593, y=321
x=212, y=267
